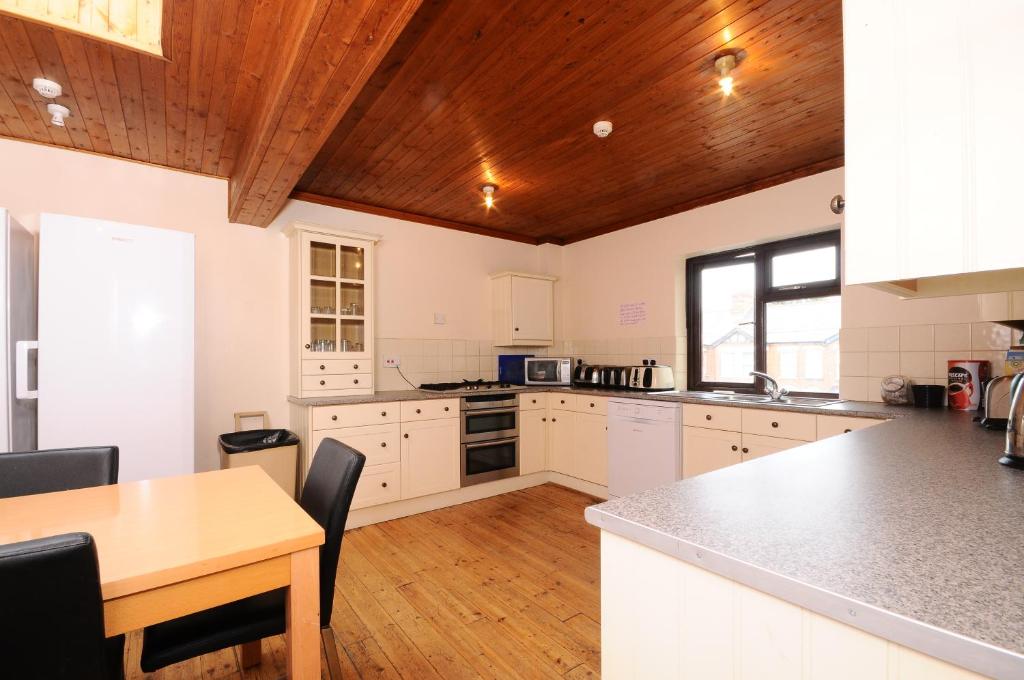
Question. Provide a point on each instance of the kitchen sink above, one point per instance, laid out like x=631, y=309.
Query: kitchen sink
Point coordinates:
x=763, y=399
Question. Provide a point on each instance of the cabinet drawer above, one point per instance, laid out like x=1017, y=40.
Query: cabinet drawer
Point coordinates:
x=562, y=401
x=351, y=381
x=334, y=366
x=830, y=426
x=591, y=404
x=757, y=445
x=712, y=417
x=532, y=401
x=354, y=415
x=782, y=424
x=430, y=409
x=378, y=484
x=379, y=443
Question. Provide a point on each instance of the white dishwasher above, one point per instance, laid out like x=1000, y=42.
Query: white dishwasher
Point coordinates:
x=644, y=445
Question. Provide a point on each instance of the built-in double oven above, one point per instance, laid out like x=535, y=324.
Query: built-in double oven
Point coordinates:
x=490, y=437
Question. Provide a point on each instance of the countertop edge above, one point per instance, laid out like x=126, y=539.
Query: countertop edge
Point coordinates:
x=954, y=648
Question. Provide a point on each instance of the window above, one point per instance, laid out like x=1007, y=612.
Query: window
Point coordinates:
x=773, y=308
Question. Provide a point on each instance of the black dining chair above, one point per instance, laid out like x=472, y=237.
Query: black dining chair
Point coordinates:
x=326, y=496
x=31, y=472
x=51, y=627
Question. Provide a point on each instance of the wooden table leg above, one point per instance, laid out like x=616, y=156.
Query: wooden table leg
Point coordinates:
x=302, y=634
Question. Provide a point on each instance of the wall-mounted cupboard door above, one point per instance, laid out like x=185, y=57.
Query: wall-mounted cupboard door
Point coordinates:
x=533, y=441
x=706, y=450
x=430, y=457
x=523, y=309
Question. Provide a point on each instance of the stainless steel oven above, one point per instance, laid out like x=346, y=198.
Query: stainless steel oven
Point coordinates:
x=490, y=437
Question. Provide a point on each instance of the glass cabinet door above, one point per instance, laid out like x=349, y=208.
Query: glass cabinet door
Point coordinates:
x=336, y=296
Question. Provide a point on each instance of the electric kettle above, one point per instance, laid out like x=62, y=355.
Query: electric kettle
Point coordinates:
x=1013, y=455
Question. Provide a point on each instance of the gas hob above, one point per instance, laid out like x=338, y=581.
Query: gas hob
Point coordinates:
x=469, y=386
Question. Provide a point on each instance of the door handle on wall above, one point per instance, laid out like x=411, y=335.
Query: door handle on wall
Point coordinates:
x=21, y=349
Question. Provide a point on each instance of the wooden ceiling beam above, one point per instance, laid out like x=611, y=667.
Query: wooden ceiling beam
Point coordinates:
x=331, y=48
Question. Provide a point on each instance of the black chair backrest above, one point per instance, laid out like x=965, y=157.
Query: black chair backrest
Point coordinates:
x=32, y=472
x=52, y=620
x=327, y=496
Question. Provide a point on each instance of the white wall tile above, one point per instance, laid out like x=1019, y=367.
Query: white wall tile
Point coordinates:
x=941, y=365
x=853, y=339
x=917, y=338
x=952, y=337
x=853, y=363
x=883, y=363
x=884, y=339
x=875, y=388
x=990, y=336
x=917, y=364
x=853, y=388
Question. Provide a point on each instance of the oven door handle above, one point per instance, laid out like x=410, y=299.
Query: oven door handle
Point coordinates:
x=491, y=442
x=491, y=411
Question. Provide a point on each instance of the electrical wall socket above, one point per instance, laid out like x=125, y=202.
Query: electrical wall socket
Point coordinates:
x=392, y=362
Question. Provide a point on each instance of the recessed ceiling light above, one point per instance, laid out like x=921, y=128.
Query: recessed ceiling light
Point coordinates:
x=489, y=190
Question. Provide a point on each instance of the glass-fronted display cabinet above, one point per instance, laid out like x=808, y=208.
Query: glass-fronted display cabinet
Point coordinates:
x=333, y=310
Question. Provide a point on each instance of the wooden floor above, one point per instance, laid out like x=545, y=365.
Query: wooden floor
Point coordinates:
x=505, y=587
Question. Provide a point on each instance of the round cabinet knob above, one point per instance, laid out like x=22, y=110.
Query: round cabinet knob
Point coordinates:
x=417, y=410
x=554, y=420
x=735, y=448
x=323, y=382
x=591, y=404
x=847, y=430
x=534, y=401
x=383, y=414
x=384, y=485
x=543, y=420
x=383, y=445
x=746, y=450
x=322, y=367
x=563, y=401
x=445, y=408
x=307, y=345
x=774, y=424
x=517, y=329
x=406, y=435
x=355, y=381
x=334, y=417
x=707, y=417
x=355, y=366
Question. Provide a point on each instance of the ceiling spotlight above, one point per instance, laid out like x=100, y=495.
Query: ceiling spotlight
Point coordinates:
x=58, y=113
x=47, y=88
x=724, y=65
x=489, y=190
x=603, y=128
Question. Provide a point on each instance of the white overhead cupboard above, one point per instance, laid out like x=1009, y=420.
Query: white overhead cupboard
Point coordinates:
x=932, y=146
x=523, y=309
x=332, y=288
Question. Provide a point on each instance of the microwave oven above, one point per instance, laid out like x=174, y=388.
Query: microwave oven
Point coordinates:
x=548, y=371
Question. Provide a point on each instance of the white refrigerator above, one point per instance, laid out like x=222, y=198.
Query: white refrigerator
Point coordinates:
x=18, y=332
x=116, y=356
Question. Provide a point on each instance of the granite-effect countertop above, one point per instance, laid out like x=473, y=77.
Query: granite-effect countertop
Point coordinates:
x=909, y=530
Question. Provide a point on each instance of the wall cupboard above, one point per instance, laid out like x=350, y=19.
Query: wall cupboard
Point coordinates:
x=332, y=311
x=523, y=309
x=930, y=158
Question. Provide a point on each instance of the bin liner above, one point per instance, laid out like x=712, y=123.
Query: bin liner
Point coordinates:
x=257, y=440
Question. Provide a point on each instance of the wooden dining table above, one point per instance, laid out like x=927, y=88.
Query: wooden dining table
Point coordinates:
x=173, y=546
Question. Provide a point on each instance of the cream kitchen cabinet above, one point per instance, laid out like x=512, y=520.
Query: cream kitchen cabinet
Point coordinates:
x=831, y=426
x=430, y=457
x=590, y=448
x=523, y=309
x=705, y=450
x=561, y=437
x=331, y=290
x=756, y=445
x=931, y=146
x=533, y=440
x=1004, y=307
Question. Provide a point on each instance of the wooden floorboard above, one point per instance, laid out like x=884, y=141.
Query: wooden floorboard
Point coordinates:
x=504, y=587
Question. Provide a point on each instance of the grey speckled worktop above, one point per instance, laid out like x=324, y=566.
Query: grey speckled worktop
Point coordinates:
x=910, y=530
x=862, y=409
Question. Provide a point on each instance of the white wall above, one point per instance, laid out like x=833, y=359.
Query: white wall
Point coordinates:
x=241, y=271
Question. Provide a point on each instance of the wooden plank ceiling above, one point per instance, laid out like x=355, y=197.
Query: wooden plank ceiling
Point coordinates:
x=377, y=106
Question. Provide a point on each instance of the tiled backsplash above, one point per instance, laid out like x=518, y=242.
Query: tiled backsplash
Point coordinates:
x=431, y=360
x=919, y=352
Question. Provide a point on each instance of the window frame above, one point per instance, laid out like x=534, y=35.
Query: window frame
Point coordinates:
x=764, y=293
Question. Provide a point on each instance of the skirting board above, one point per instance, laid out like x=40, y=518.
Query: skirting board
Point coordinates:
x=414, y=506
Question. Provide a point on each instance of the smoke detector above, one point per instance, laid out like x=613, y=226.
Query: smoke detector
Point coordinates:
x=47, y=88
x=58, y=113
x=603, y=128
